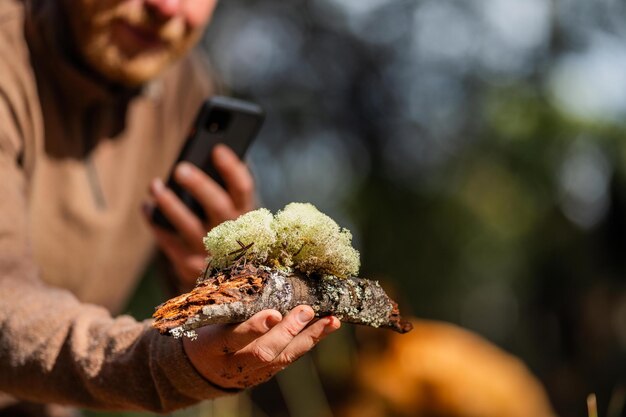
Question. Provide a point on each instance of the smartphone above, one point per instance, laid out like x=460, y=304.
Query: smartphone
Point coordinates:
x=226, y=120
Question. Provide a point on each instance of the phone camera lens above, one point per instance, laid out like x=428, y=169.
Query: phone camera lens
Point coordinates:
x=218, y=121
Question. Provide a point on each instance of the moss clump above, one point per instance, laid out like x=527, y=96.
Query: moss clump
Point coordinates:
x=312, y=242
x=299, y=236
x=226, y=242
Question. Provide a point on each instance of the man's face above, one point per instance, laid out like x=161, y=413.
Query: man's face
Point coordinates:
x=132, y=41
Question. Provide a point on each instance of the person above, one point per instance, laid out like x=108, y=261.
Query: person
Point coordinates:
x=95, y=99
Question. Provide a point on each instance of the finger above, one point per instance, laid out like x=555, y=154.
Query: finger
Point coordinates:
x=187, y=223
x=188, y=264
x=306, y=340
x=264, y=350
x=215, y=201
x=170, y=244
x=236, y=175
x=231, y=338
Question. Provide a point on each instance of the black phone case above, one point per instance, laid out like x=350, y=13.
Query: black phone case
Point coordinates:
x=224, y=120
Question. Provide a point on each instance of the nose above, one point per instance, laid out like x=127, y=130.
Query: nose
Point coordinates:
x=165, y=8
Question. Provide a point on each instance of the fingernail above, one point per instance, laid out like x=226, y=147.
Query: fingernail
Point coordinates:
x=157, y=186
x=331, y=327
x=183, y=170
x=220, y=152
x=305, y=315
x=272, y=321
x=146, y=209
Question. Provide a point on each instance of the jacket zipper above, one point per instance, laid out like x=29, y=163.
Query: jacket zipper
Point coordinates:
x=94, y=183
x=92, y=172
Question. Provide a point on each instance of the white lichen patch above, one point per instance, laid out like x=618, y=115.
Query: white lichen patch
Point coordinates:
x=299, y=237
x=311, y=242
x=191, y=334
x=251, y=235
x=177, y=332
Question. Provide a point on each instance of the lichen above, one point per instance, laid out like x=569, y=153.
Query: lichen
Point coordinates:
x=177, y=332
x=299, y=237
x=312, y=242
x=251, y=235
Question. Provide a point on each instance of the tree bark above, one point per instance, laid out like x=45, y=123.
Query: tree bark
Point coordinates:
x=233, y=296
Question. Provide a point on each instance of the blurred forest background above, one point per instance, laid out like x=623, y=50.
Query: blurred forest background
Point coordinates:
x=475, y=148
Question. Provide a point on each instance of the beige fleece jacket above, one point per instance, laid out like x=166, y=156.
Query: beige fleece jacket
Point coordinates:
x=76, y=158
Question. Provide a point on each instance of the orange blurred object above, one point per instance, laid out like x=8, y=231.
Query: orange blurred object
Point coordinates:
x=441, y=370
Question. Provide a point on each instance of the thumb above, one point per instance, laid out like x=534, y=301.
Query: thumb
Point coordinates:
x=230, y=338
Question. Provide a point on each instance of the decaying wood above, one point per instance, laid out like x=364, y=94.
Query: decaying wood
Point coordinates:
x=233, y=296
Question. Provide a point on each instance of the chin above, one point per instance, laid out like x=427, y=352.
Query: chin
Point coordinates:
x=129, y=71
x=135, y=72
x=132, y=69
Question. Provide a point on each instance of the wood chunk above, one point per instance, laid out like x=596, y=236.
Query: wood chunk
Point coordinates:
x=233, y=296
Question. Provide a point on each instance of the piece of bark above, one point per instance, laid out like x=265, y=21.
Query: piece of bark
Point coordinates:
x=233, y=296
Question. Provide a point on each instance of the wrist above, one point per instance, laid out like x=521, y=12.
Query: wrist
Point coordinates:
x=195, y=352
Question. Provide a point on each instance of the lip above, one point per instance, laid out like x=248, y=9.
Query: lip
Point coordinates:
x=137, y=36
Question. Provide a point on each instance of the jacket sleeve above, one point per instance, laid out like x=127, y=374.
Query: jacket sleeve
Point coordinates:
x=54, y=348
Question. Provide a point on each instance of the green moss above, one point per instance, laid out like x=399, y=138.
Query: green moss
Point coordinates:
x=299, y=236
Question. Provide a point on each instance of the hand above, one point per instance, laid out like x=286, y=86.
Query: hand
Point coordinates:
x=249, y=353
x=185, y=249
